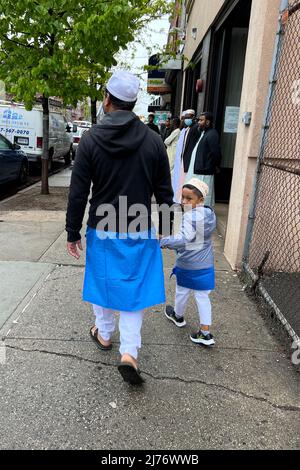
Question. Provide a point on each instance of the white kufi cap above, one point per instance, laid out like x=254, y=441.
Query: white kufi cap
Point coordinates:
x=200, y=185
x=124, y=86
x=190, y=111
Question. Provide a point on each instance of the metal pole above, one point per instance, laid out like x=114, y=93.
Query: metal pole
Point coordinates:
x=283, y=7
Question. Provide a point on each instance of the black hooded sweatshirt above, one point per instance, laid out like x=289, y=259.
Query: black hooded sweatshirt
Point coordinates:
x=120, y=157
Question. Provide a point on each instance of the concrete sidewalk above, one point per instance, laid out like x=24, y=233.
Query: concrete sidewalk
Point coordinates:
x=59, y=392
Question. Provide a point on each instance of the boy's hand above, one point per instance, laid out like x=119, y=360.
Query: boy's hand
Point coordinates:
x=161, y=237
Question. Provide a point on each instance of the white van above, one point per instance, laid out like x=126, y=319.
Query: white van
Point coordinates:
x=25, y=128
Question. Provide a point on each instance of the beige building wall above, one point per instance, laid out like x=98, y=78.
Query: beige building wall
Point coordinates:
x=201, y=16
x=261, y=41
x=277, y=213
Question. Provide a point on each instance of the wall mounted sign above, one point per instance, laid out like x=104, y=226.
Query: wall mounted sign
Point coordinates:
x=231, y=122
x=158, y=85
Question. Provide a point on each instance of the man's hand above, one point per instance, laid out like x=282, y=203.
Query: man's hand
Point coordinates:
x=72, y=248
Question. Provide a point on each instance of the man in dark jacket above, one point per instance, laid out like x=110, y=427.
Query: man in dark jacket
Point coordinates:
x=151, y=124
x=127, y=164
x=188, y=138
x=206, y=156
x=167, y=130
x=209, y=154
x=191, y=137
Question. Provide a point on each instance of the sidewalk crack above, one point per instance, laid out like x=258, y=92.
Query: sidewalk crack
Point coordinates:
x=72, y=356
x=227, y=389
x=171, y=378
x=188, y=346
x=49, y=247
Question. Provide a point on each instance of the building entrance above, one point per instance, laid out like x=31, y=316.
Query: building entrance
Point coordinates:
x=228, y=52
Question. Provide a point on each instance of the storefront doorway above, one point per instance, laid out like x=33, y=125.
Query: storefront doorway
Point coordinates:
x=228, y=52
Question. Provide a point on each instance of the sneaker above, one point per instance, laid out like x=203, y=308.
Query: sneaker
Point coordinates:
x=200, y=338
x=171, y=315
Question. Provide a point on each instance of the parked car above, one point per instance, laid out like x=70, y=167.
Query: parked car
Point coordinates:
x=83, y=123
x=25, y=128
x=13, y=162
x=77, y=136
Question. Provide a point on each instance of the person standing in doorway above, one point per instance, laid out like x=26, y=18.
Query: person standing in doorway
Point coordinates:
x=186, y=144
x=126, y=163
x=191, y=136
x=206, y=156
x=151, y=123
x=167, y=130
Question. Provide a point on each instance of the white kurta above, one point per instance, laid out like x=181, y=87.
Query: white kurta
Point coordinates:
x=178, y=167
x=171, y=144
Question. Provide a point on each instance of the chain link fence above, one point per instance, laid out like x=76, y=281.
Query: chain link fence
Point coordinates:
x=272, y=249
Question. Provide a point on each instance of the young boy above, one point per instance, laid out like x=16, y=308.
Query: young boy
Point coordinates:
x=194, y=267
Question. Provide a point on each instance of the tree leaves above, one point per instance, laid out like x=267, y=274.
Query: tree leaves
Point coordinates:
x=65, y=48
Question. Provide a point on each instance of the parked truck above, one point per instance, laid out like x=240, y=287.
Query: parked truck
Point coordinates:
x=25, y=128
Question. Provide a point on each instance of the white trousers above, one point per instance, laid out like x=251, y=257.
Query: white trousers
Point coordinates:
x=130, y=325
x=202, y=301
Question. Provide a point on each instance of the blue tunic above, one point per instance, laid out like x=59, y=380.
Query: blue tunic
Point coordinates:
x=123, y=271
x=197, y=279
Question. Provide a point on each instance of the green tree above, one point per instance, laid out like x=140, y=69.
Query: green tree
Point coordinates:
x=113, y=25
x=64, y=48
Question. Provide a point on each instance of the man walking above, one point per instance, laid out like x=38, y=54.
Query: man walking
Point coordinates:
x=127, y=164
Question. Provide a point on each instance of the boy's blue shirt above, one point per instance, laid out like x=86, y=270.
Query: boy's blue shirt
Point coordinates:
x=193, y=242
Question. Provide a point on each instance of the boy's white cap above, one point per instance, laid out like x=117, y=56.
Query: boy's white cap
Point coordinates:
x=200, y=185
x=190, y=111
x=124, y=86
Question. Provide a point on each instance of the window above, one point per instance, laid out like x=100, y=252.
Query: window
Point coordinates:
x=193, y=73
x=4, y=143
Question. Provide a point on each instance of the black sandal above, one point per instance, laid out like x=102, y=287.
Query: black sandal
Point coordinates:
x=94, y=337
x=130, y=374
